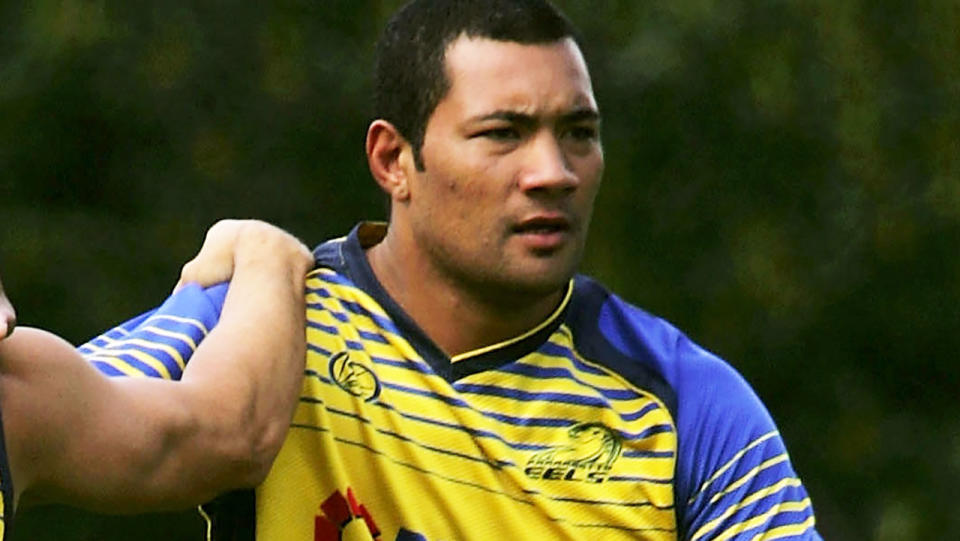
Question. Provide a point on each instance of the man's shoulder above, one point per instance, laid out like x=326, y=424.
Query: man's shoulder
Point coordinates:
x=602, y=320
x=723, y=428
x=329, y=254
x=346, y=255
x=699, y=387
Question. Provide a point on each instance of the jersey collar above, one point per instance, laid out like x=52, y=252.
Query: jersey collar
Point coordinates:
x=367, y=234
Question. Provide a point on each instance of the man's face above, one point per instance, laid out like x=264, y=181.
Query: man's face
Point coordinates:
x=512, y=163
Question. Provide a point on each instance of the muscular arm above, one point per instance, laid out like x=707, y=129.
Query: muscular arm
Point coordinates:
x=8, y=318
x=130, y=444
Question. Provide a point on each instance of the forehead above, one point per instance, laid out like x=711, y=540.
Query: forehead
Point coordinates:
x=542, y=78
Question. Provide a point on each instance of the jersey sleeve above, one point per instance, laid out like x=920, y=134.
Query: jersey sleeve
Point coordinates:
x=733, y=480
x=734, y=476
x=160, y=342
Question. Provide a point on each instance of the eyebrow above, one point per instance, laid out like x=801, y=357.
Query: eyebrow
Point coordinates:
x=577, y=115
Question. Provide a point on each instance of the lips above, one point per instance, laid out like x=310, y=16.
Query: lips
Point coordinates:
x=544, y=234
x=543, y=225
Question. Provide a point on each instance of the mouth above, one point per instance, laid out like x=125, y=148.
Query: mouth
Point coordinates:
x=545, y=232
x=543, y=225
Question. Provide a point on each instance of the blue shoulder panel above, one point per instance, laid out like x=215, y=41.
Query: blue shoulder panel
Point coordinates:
x=733, y=476
x=605, y=338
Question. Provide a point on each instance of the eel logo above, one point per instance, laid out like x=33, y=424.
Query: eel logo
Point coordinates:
x=344, y=519
x=588, y=456
x=353, y=377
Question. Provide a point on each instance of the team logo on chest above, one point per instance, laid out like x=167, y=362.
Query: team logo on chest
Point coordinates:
x=588, y=456
x=354, y=377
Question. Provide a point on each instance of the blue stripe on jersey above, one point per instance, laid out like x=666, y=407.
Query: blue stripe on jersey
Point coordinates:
x=342, y=317
x=517, y=421
x=353, y=308
x=356, y=346
x=649, y=408
x=762, y=465
x=614, y=503
x=134, y=363
x=412, y=390
x=435, y=422
x=381, y=322
x=621, y=528
x=321, y=327
x=313, y=373
x=336, y=411
x=315, y=348
x=630, y=453
x=495, y=464
x=408, y=364
x=114, y=334
x=769, y=505
x=338, y=278
x=538, y=372
x=786, y=518
x=775, y=517
x=645, y=433
x=527, y=421
x=568, y=398
x=107, y=369
x=373, y=336
x=192, y=311
x=767, y=477
x=639, y=479
x=419, y=469
x=517, y=394
x=554, y=350
x=472, y=431
x=154, y=348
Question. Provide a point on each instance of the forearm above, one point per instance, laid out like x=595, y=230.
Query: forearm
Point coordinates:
x=240, y=388
x=246, y=376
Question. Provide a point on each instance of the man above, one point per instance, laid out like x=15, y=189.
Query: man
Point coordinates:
x=71, y=435
x=461, y=382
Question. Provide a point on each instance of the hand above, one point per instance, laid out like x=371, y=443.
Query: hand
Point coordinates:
x=8, y=318
x=231, y=243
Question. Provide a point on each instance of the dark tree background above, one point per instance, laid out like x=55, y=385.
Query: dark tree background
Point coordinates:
x=783, y=182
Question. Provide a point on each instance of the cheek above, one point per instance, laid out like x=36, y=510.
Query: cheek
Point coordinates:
x=591, y=173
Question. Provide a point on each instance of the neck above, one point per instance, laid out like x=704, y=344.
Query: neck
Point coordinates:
x=456, y=316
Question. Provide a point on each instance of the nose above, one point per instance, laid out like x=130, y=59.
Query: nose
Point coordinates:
x=547, y=169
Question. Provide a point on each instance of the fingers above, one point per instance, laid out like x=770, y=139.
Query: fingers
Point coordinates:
x=230, y=243
x=261, y=247
x=214, y=262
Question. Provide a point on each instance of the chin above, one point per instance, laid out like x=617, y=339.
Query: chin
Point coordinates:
x=541, y=281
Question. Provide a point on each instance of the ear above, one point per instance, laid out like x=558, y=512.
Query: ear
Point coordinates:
x=390, y=158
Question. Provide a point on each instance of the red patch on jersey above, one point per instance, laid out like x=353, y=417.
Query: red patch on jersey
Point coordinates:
x=336, y=512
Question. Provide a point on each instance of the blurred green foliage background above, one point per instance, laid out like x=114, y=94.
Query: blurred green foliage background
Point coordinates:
x=783, y=183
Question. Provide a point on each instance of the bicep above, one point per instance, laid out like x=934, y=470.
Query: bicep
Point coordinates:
x=48, y=390
x=75, y=436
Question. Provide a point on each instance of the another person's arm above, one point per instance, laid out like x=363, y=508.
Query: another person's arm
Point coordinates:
x=131, y=444
x=8, y=318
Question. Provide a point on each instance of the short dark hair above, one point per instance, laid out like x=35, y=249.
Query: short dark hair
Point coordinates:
x=409, y=75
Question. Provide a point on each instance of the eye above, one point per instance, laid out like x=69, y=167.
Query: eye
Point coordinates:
x=583, y=133
x=500, y=134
